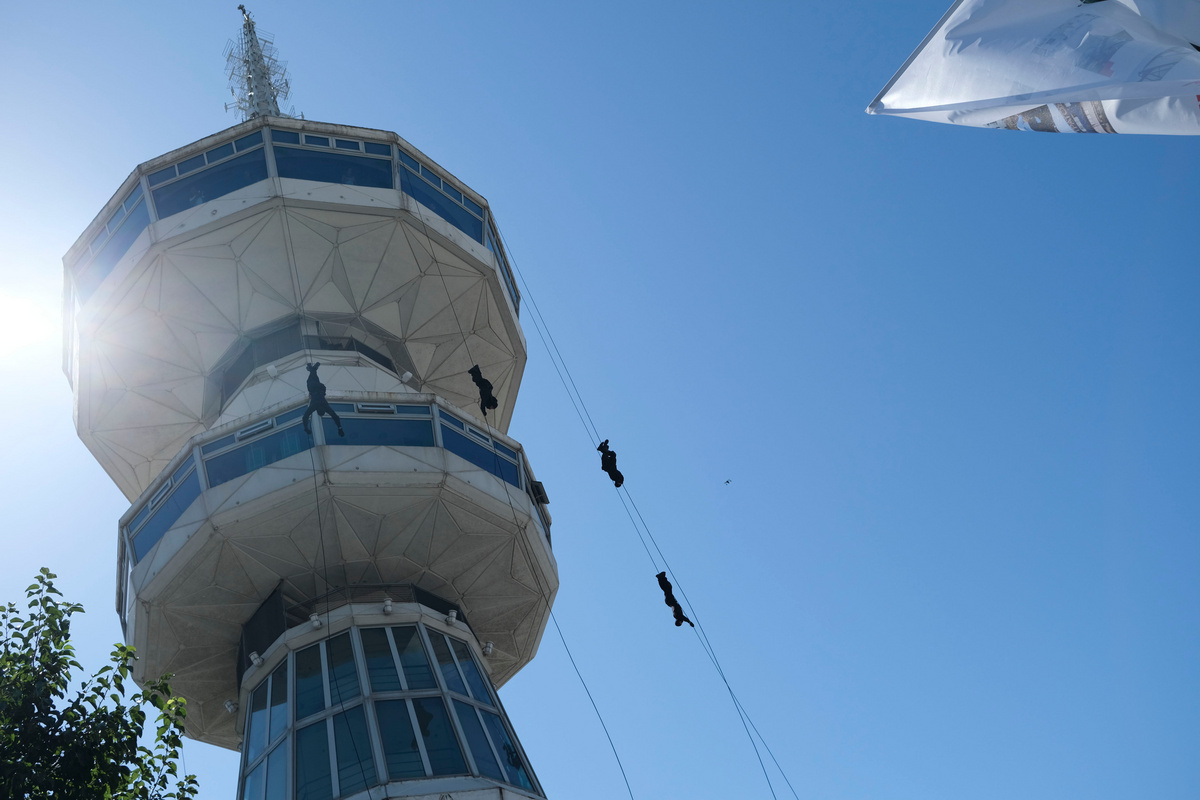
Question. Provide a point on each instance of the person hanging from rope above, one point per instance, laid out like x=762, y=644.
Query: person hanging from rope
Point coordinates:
x=486, y=398
x=669, y=599
x=608, y=463
x=317, y=401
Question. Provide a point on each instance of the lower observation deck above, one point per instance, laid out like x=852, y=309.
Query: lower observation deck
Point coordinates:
x=414, y=493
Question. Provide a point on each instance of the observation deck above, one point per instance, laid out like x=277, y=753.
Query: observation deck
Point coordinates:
x=415, y=493
x=207, y=256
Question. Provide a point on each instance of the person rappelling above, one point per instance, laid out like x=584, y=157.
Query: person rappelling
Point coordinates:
x=669, y=599
x=317, y=401
x=486, y=398
x=608, y=463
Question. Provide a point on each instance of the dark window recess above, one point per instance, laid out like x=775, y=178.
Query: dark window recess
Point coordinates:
x=261, y=631
x=440, y=204
x=394, y=432
x=165, y=516
x=257, y=453
x=214, y=182
x=480, y=456
x=343, y=168
x=90, y=278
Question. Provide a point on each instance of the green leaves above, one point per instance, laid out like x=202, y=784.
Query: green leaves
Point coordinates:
x=59, y=743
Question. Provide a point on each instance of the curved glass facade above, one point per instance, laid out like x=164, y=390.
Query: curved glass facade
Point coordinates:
x=375, y=705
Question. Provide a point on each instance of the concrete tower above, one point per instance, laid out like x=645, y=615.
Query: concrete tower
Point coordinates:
x=340, y=608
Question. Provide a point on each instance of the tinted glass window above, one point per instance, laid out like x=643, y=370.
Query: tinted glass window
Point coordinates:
x=111, y=253
x=214, y=182
x=277, y=773
x=471, y=204
x=381, y=668
x=346, y=144
x=514, y=765
x=343, y=676
x=378, y=149
x=218, y=153
x=400, y=749
x=255, y=454
x=279, y=692
x=310, y=690
x=190, y=165
x=246, y=142
x=485, y=762
x=445, y=756
x=288, y=137
x=356, y=767
x=320, y=141
x=450, y=674
x=441, y=205
x=184, y=467
x=410, y=161
x=313, y=781
x=341, y=168
x=162, y=175
x=131, y=201
x=252, y=789
x=412, y=658
x=256, y=725
x=165, y=516
x=395, y=432
x=474, y=679
x=480, y=456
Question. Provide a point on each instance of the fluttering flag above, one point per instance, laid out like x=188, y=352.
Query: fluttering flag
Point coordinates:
x=1060, y=66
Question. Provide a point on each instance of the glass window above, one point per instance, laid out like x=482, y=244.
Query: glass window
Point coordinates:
x=415, y=411
x=252, y=789
x=471, y=204
x=441, y=205
x=313, y=780
x=455, y=194
x=255, y=454
x=417, y=673
x=134, y=196
x=310, y=689
x=342, y=408
x=345, y=144
x=214, y=182
x=356, y=767
x=441, y=745
x=184, y=467
x=410, y=161
x=190, y=165
x=256, y=723
x=277, y=773
x=279, y=709
x=288, y=416
x=212, y=447
x=162, y=175
x=471, y=671
x=288, y=137
x=445, y=661
x=165, y=516
x=394, y=432
x=218, y=153
x=480, y=456
x=381, y=668
x=514, y=765
x=378, y=149
x=246, y=142
x=91, y=277
x=449, y=420
x=431, y=176
x=510, y=453
x=319, y=141
x=485, y=761
x=137, y=521
x=400, y=750
x=343, y=676
x=343, y=168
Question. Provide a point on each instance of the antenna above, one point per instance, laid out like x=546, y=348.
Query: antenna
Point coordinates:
x=257, y=79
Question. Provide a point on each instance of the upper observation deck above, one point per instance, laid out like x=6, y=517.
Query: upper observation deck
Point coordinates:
x=272, y=237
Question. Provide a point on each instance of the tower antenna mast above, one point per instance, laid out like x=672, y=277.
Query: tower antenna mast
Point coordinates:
x=257, y=79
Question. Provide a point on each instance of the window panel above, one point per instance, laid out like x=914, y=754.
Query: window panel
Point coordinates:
x=162, y=175
x=343, y=675
x=381, y=668
x=91, y=277
x=480, y=456
x=214, y=182
x=257, y=453
x=312, y=165
x=218, y=153
x=514, y=765
x=289, y=137
x=313, y=778
x=441, y=205
x=346, y=144
x=470, y=670
x=276, y=788
x=441, y=745
x=310, y=689
x=417, y=673
x=400, y=749
x=246, y=142
x=190, y=165
x=165, y=516
x=252, y=789
x=356, y=767
x=279, y=692
x=319, y=141
x=256, y=723
x=450, y=674
x=392, y=432
x=485, y=761
x=378, y=149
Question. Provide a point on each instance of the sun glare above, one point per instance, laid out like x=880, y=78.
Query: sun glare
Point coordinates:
x=34, y=323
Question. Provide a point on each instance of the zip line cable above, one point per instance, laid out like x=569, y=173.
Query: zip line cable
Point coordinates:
x=590, y=427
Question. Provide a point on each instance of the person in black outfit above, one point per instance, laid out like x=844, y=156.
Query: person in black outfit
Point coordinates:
x=317, y=401
x=608, y=463
x=486, y=398
x=669, y=599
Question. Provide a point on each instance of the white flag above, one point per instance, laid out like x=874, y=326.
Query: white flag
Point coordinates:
x=1096, y=66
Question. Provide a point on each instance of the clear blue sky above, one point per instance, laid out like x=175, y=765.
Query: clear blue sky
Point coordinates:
x=951, y=375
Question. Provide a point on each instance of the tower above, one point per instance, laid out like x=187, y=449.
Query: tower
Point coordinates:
x=341, y=604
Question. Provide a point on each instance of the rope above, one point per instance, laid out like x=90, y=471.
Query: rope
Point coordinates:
x=593, y=434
